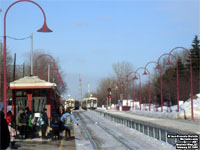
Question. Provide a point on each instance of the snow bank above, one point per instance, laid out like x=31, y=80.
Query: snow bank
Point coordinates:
x=184, y=110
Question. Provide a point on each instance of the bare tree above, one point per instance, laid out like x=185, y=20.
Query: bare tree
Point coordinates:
x=121, y=69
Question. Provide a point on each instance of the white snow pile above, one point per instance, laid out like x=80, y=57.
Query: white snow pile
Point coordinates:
x=184, y=110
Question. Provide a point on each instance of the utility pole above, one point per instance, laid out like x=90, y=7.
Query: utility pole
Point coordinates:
x=14, y=67
x=23, y=69
x=80, y=84
x=31, y=53
x=88, y=89
x=48, y=73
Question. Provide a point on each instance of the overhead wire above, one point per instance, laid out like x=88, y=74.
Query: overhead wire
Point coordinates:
x=17, y=38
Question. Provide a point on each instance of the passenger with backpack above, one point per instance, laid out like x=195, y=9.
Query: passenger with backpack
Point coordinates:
x=67, y=119
x=55, y=125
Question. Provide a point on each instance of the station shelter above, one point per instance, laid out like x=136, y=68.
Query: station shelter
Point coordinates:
x=34, y=93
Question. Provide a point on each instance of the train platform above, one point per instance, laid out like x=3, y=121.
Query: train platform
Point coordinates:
x=48, y=143
x=187, y=126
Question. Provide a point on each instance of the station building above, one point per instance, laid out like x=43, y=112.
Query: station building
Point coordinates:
x=34, y=93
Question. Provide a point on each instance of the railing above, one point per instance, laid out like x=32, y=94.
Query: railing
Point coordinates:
x=152, y=130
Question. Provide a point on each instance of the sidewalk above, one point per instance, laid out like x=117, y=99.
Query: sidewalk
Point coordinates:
x=179, y=125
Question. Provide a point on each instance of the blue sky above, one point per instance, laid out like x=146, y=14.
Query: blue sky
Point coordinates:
x=89, y=35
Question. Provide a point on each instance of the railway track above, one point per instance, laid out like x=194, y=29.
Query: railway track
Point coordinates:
x=82, y=119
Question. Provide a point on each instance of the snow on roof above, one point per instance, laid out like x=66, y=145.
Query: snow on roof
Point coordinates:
x=30, y=82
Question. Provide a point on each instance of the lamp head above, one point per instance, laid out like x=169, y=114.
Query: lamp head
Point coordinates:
x=44, y=28
x=169, y=62
x=158, y=66
x=135, y=77
x=145, y=73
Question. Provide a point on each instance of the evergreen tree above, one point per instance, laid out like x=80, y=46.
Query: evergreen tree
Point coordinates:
x=195, y=54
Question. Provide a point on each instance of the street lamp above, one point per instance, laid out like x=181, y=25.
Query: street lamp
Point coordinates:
x=146, y=71
x=53, y=68
x=43, y=29
x=191, y=84
x=134, y=78
x=157, y=67
x=177, y=78
x=161, y=81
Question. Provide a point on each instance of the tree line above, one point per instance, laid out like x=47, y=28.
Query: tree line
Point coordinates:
x=118, y=82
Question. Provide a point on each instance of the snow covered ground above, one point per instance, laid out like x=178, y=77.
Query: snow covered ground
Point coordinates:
x=184, y=110
x=108, y=135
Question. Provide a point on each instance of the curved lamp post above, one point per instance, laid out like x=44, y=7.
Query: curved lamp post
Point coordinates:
x=134, y=78
x=161, y=81
x=146, y=71
x=53, y=68
x=43, y=29
x=40, y=56
x=157, y=67
x=191, y=84
x=177, y=78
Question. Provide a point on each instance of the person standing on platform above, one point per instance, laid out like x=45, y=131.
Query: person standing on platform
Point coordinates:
x=67, y=119
x=21, y=121
x=45, y=124
x=55, y=124
x=61, y=111
x=28, y=127
x=4, y=133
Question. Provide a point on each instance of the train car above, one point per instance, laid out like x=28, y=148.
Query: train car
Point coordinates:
x=70, y=103
x=77, y=105
x=92, y=103
x=84, y=104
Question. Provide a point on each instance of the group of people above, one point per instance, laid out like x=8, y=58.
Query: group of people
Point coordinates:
x=62, y=120
x=27, y=124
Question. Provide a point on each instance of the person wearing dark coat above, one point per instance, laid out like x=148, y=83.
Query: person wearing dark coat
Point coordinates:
x=45, y=124
x=61, y=111
x=4, y=133
x=55, y=125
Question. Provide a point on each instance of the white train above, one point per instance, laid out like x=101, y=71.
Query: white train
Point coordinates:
x=70, y=103
x=89, y=103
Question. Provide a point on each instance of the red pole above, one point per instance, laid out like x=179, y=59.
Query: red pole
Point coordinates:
x=149, y=92
x=5, y=67
x=127, y=90
x=5, y=75
x=177, y=80
x=140, y=93
x=191, y=84
x=133, y=94
x=191, y=87
x=161, y=90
